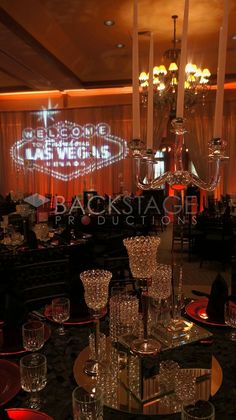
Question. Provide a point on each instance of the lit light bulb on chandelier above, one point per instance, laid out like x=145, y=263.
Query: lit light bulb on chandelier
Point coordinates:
x=165, y=82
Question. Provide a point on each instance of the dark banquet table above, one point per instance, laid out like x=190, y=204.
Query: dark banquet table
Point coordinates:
x=61, y=353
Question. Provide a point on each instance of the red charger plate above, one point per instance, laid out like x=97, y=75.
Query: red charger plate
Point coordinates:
x=11, y=340
x=9, y=381
x=197, y=311
x=27, y=414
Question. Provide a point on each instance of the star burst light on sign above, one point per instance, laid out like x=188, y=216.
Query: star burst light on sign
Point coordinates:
x=47, y=114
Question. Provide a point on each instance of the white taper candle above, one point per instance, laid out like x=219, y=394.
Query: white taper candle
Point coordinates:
x=135, y=75
x=150, y=97
x=218, y=120
x=183, y=59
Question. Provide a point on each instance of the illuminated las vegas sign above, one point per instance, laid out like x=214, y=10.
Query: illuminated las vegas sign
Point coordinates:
x=67, y=150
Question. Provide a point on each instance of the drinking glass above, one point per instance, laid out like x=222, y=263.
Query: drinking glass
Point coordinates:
x=61, y=312
x=87, y=405
x=203, y=410
x=230, y=319
x=33, y=335
x=95, y=284
x=33, y=373
x=142, y=251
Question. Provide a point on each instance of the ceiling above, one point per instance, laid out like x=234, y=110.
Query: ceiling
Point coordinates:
x=64, y=44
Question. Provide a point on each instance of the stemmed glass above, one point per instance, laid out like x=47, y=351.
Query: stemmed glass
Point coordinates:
x=33, y=373
x=230, y=319
x=142, y=251
x=95, y=284
x=33, y=335
x=61, y=312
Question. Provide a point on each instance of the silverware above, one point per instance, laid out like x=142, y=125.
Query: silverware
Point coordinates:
x=38, y=315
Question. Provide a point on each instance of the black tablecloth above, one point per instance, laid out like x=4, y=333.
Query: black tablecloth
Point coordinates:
x=61, y=353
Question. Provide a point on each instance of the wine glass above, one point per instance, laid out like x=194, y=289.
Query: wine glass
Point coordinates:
x=61, y=312
x=33, y=335
x=33, y=373
x=230, y=319
x=142, y=251
x=95, y=284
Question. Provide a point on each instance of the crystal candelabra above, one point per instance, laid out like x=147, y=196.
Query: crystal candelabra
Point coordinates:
x=179, y=178
x=95, y=284
x=142, y=252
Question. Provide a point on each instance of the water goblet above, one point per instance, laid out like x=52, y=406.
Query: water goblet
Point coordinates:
x=33, y=335
x=61, y=312
x=142, y=252
x=95, y=284
x=33, y=373
x=230, y=319
x=87, y=405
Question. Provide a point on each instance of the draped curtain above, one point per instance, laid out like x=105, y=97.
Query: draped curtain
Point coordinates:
x=105, y=179
x=200, y=130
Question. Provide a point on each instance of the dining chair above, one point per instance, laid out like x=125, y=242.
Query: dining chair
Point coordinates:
x=39, y=283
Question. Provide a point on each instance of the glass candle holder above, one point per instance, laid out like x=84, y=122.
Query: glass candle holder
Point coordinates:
x=95, y=284
x=168, y=371
x=185, y=386
x=142, y=252
x=123, y=314
x=161, y=282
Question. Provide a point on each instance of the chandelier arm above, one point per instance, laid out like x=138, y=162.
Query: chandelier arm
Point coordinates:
x=157, y=182
x=212, y=184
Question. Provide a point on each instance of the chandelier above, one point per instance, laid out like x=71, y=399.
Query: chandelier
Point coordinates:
x=144, y=155
x=165, y=82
